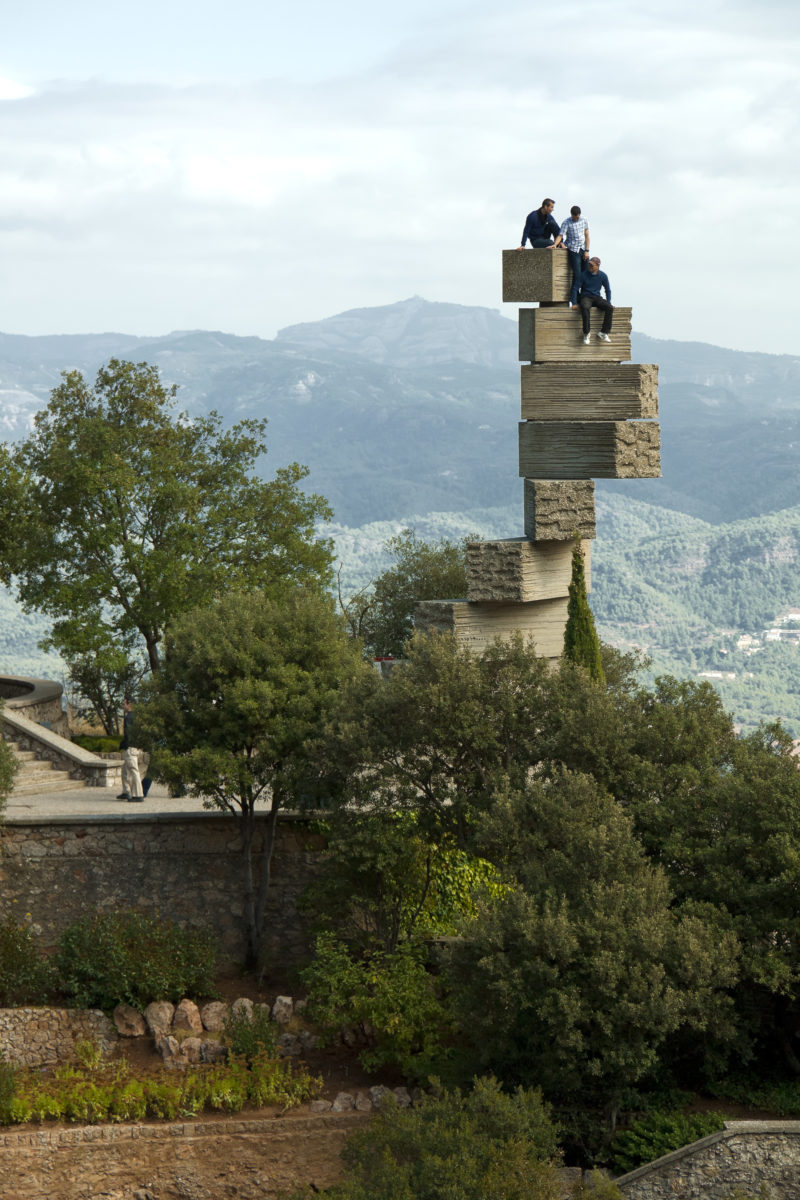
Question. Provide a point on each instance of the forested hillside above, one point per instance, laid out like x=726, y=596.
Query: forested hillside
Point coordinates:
x=407, y=414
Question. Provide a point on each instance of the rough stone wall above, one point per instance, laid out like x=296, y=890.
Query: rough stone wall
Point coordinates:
x=192, y=1160
x=37, y=1037
x=555, y=509
x=745, y=1155
x=37, y=699
x=518, y=570
x=185, y=868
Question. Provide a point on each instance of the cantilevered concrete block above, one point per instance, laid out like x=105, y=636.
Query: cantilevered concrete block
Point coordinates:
x=477, y=625
x=515, y=569
x=536, y=275
x=589, y=392
x=559, y=508
x=556, y=335
x=589, y=449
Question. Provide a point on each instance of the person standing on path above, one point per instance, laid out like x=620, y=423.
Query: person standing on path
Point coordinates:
x=592, y=281
x=575, y=236
x=131, y=780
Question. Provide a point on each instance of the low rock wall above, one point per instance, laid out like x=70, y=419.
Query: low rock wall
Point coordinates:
x=192, y=1160
x=186, y=868
x=742, y=1156
x=37, y=1037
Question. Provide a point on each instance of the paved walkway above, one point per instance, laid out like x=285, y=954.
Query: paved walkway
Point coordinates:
x=97, y=802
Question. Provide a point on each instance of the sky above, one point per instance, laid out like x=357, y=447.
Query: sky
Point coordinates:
x=246, y=166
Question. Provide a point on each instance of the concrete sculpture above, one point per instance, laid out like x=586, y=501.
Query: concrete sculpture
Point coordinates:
x=586, y=413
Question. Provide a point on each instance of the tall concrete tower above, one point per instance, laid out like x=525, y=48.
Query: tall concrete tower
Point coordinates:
x=587, y=413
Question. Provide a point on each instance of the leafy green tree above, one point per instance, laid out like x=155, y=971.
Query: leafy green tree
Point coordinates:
x=391, y=998
x=733, y=841
x=383, y=884
x=575, y=979
x=382, y=615
x=123, y=514
x=442, y=733
x=581, y=643
x=485, y=1143
x=233, y=714
x=101, y=671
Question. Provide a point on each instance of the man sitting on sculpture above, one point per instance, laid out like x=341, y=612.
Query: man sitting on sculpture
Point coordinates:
x=592, y=282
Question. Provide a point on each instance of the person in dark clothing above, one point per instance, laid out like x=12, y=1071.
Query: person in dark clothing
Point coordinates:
x=592, y=282
x=541, y=227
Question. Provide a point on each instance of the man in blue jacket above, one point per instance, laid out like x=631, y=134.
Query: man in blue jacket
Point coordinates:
x=541, y=227
x=592, y=281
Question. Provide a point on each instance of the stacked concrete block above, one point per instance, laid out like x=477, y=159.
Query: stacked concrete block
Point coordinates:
x=586, y=413
x=517, y=570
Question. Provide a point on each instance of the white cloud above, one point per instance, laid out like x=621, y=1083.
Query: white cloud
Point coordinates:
x=248, y=206
x=11, y=90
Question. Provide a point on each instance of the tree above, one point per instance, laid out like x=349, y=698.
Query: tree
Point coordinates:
x=443, y=733
x=581, y=643
x=575, y=978
x=732, y=841
x=383, y=884
x=456, y=1147
x=101, y=672
x=124, y=515
x=232, y=715
x=382, y=615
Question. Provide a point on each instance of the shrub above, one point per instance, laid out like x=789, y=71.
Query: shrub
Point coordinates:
x=456, y=1147
x=106, y=1091
x=274, y=1081
x=25, y=976
x=391, y=997
x=133, y=957
x=97, y=745
x=248, y=1036
x=659, y=1133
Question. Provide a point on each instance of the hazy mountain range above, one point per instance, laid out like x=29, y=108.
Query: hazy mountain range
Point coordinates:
x=407, y=414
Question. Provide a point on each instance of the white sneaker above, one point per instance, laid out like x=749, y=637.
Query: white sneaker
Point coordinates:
x=604, y=337
x=587, y=337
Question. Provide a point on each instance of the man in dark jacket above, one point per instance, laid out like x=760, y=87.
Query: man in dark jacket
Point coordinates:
x=541, y=227
x=592, y=281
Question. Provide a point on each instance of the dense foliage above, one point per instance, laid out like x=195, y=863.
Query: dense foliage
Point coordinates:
x=659, y=1133
x=118, y=514
x=456, y=1147
x=382, y=614
x=130, y=956
x=639, y=929
x=26, y=977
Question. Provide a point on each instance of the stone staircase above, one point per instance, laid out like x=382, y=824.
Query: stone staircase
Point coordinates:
x=37, y=775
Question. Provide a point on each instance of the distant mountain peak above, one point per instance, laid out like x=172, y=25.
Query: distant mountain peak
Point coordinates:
x=412, y=333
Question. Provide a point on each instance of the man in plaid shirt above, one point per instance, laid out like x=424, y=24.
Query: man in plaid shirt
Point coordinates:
x=575, y=236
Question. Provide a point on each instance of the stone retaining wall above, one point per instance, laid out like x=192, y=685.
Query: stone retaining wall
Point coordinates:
x=36, y=1037
x=192, y=1160
x=187, y=868
x=744, y=1155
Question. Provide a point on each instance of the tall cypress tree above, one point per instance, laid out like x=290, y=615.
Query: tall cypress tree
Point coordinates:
x=581, y=643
